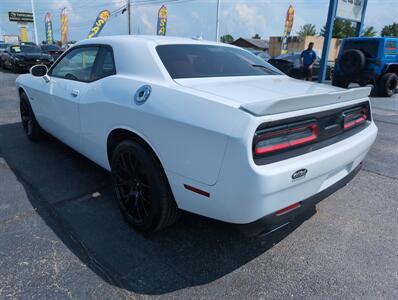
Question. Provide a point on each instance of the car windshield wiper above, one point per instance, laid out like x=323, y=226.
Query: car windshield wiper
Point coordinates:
x=265, y=68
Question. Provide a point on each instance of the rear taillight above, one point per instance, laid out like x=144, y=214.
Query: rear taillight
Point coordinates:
x=355, y=117
x=284, y=137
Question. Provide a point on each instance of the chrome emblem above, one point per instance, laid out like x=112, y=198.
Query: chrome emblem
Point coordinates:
x=142, y=94
x=299, y=174
x=38, y=60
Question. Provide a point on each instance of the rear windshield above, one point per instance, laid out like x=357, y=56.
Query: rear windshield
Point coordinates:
x=369, y=48
x=195, y=61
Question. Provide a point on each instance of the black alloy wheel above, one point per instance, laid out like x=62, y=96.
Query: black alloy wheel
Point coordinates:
x=14, y=68
x=141, y=188
x=29, y=123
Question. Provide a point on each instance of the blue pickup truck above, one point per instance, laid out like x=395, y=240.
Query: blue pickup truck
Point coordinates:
x=368, y=61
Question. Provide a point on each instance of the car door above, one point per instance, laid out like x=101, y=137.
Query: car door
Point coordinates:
x=69, y=80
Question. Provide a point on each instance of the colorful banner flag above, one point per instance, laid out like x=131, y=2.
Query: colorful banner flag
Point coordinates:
x=288, y=29
x=162, y=21
x=49, y=28
x=64, y=27
x=99, y=23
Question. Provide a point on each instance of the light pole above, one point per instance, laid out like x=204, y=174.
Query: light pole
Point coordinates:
x=218, y=21
x=34, y=22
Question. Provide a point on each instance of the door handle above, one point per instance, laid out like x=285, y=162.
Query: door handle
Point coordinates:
x=74, y=93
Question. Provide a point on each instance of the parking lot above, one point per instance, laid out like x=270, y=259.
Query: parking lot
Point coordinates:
x=62, y=236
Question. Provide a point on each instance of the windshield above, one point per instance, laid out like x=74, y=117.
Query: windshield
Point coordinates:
x=25, y=49
x=195, y=61
x=369, y=47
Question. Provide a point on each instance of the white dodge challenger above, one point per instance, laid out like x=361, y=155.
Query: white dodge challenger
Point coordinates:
x=199, y=126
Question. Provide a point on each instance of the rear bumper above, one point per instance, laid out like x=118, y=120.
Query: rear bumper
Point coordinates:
x=364, y=76
x=246, y=192
x=273, y=222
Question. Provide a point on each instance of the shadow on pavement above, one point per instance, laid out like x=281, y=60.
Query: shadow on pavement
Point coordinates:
x=60, y=182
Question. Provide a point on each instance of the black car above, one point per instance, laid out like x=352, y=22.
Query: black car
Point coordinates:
x=23, y=57
x=290, y=64
x=52, y=50
x=264, y=55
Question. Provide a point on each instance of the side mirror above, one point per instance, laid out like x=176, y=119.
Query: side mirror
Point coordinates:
x=38, y=70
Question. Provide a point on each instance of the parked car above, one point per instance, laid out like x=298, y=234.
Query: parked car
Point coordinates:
x=52, y=50
x=3, y=47
x=290, y=64
x=368, y=61
x=264, y=55
x=199, y=126
x=21, y=57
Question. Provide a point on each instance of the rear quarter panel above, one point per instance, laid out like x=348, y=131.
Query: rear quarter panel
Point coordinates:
x=189, y=133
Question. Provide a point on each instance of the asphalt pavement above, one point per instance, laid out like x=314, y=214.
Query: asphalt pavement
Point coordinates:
x=62, y=236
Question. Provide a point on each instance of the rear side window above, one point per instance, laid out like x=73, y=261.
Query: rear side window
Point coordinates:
x=390, y=48
x=369, y=47
x=195, y=61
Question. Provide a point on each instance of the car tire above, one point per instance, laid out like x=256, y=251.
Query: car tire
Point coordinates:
x=30, y=125
x=387, y=85
x=352, y=61
x=141, y=188
x=14, y=68
x=340, y=82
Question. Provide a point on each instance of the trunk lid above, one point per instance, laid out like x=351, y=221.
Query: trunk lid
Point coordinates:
x=266, y=95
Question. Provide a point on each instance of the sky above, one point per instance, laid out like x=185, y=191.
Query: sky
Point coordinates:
x=187, y=18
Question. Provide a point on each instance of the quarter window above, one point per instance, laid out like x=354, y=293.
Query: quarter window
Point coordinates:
x=77, y=64
x=105, y=65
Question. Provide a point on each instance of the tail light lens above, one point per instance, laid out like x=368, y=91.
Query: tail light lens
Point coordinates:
x=355, y=117
x=284, y=137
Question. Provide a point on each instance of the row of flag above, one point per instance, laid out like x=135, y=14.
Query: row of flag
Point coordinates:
x=104, y=15
x=98, y=25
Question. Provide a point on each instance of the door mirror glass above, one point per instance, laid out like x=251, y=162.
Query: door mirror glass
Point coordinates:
x=38, y=70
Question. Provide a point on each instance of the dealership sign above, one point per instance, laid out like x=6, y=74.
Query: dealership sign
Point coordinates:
x=350, y=10
x=23, y=17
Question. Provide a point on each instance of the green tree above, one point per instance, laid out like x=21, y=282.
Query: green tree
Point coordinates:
x=390, y=30
x=369, y=32
x=307, y=30
x=341, y=29
x=227, y=38
x=256, y=36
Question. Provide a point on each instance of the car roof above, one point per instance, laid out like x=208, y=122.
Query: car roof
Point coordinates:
x=158, y=40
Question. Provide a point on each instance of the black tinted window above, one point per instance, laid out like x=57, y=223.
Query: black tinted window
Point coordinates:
x=50, y=48
x=369, y=47
x=106, y=64
x=193, y=61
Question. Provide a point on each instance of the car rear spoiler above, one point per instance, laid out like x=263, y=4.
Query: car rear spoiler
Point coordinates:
x=262, y=108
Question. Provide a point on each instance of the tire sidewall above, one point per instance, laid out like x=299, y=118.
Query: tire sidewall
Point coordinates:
x=385, y=82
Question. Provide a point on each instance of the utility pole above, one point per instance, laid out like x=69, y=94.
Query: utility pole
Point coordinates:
x=218, y=21
x=328, y=39
x=34, y=22
x=129, y=16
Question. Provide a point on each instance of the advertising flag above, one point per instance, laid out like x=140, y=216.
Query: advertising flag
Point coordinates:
x=64, y=26
x=288, y=28
x=49, y=28
x=162, y=21
x=99, y=23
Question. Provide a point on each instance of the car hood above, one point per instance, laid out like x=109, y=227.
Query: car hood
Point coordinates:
x=264, y=95
x=33, y=55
